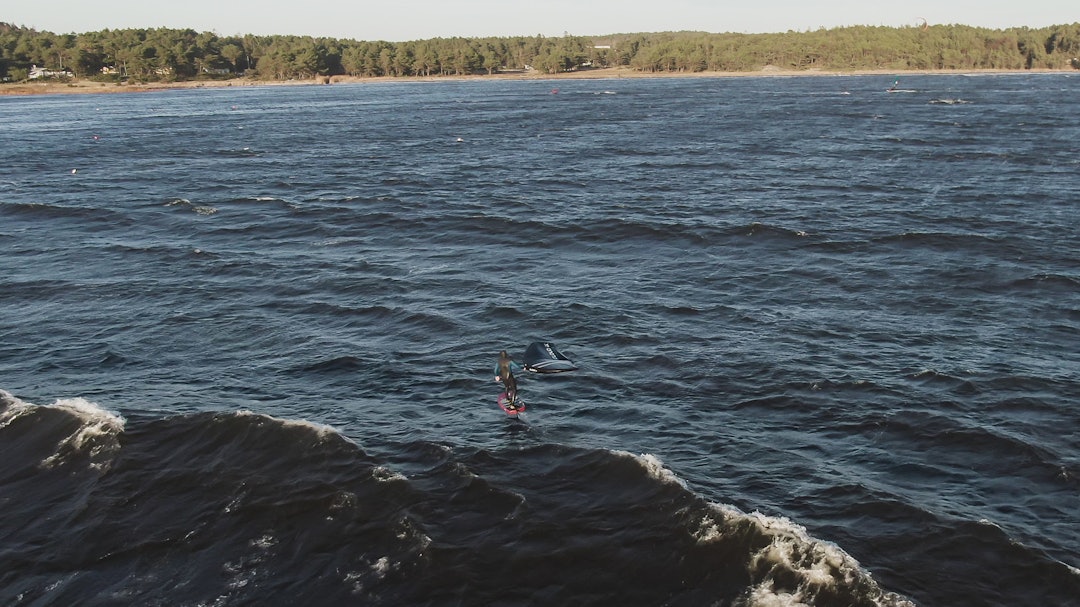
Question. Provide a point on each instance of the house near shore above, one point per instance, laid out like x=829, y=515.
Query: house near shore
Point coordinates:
x=40, y=72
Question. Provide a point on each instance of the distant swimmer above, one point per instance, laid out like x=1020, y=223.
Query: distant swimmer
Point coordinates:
x=504, y=373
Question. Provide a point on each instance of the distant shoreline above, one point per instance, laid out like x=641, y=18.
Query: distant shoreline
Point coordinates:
x=82, y=86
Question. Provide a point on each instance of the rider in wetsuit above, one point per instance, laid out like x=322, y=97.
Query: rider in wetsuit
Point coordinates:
x=504, y=372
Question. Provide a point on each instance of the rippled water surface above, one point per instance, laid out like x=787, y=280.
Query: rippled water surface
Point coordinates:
x=827, y=339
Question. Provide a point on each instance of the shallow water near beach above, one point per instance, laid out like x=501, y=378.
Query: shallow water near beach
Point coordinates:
x=826, y=339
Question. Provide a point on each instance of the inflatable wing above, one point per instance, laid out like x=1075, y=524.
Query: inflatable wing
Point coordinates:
x=542, y=357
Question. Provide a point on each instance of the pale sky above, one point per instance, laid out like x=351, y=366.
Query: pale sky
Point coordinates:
x=400, y=20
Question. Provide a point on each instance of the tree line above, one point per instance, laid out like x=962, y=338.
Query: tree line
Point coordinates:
x=165, y=54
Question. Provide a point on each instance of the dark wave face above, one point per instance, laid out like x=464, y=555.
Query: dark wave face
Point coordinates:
x=245, y=508
x=825, y=338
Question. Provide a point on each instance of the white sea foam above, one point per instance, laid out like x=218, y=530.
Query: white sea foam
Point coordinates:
x=654, y=467
x=264, y=542
x=184, y=202
x=95, y=437
x=764, y=595
x=354, y=579
x=322, y=430
x=16, y=409
x=90, y=412
x=793, y=549
x=381, y=566
x=818, y=564
x=376, y=571
x=386, y=475
x=714, y=528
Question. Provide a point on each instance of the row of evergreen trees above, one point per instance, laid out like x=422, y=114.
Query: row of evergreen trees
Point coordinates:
x=184, y=54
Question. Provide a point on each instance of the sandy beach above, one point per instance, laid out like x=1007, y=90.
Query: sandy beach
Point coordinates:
x=82, y=86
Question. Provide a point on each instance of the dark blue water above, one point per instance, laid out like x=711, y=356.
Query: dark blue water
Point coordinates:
x=827, y=339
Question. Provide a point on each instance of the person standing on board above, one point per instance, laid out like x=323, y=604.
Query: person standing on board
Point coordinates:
x=504, y=373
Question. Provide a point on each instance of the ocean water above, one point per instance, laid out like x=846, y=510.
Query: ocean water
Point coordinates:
x=827, y=339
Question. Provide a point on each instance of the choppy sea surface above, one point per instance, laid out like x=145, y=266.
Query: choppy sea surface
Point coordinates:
x=827, y=338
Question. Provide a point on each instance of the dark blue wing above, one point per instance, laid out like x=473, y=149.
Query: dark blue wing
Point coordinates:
x=543, y=357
